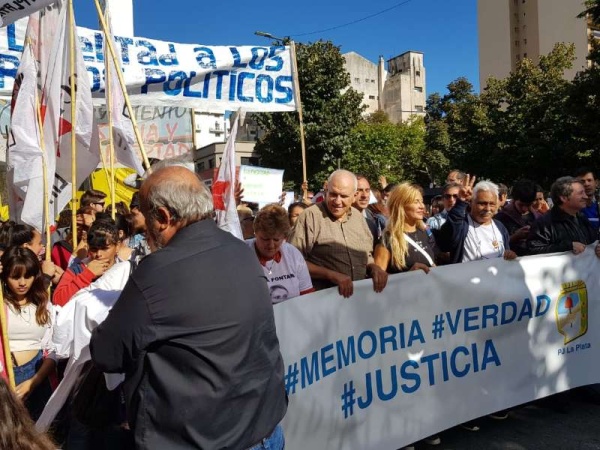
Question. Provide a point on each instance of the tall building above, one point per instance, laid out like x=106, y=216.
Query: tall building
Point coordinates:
x=399, y=91
x=510, y=30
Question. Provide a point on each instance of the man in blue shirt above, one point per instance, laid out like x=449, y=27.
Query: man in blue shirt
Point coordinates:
x=587, y=177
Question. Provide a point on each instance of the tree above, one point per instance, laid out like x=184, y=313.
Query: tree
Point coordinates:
x=382, y=148
x=331, y=110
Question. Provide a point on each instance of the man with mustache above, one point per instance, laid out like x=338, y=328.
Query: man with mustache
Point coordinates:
x=475, y=235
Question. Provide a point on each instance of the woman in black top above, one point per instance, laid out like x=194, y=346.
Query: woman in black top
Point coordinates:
x=405, y=244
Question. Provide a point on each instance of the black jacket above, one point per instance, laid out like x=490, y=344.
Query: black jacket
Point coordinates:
x=556, y=231
x=194, y=332
x=513, y=221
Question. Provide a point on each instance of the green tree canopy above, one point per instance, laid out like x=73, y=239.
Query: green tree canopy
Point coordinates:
x=331, y=110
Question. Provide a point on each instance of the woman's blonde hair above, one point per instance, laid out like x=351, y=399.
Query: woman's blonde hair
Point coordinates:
x=403, y=195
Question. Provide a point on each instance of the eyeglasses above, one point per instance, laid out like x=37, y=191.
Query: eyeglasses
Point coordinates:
x=449, y=196
x=99, y=203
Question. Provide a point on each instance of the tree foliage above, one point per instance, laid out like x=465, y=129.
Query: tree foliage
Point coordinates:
x=532, y=124
x=331, y=110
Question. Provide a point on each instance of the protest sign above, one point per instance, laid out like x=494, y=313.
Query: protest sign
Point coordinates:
x=160, y=73
x=261, y=185
x=13, y=10
x=166, y=131
x=381, y=371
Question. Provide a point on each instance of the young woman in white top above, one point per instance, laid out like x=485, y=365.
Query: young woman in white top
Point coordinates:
x=29, y=317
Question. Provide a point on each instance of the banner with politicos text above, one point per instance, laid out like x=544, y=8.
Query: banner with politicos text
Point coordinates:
x=161, y=73
x=381, y=371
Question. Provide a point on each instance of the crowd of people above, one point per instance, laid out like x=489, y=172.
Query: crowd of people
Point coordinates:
x=155, y=329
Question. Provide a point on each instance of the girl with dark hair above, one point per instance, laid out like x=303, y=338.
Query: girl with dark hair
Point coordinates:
x=29, y=317
x=103, y=245
x=17, y=430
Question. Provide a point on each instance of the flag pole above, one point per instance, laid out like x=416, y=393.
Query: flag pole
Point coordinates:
x=300, y=116
x=111, y=139
x=73, y=82
x=6, y=343
x=113, y=56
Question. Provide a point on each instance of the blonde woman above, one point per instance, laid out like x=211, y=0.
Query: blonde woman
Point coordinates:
x=405, y=244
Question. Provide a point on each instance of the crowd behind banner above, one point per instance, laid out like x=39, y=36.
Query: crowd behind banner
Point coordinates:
x=418, y=333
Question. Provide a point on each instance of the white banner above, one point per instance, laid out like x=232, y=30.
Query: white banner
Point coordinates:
x=261, y=185
x=159, y=73
x=380, y=371
x=13, y=10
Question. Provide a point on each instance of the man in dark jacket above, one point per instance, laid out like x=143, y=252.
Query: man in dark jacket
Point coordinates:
x=474, y=235
x=564, y=227
x=517, y=215
x=194, y=330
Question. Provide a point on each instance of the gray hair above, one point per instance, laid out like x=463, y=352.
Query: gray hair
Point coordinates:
x=184, y=160
x=562, y=187
x=485, y=186
x=346, y=173
x=189, y=202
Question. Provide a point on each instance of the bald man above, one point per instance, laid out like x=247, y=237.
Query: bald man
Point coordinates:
x=335, y=239
x=193, y=330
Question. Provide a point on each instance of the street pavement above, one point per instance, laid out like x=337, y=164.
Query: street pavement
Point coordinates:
x=534, y=427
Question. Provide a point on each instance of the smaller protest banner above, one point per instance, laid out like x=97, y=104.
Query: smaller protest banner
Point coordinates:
x=261, y=185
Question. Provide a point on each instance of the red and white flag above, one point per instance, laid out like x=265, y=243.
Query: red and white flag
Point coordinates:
x=24, y=151
x=224, y=186
x=56, y=102
x=123, y=133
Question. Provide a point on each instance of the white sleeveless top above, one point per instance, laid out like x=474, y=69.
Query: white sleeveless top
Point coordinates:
x=24, y=333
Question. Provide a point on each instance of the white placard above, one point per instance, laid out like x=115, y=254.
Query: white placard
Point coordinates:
x=261, y=185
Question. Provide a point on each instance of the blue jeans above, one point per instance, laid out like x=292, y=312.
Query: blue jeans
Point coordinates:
x=36, y=401
x=275, y=441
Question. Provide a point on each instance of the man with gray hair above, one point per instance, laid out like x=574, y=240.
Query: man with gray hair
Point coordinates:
x=335, y=240
x=194, y=331
x=564, y=227
x=475, y=235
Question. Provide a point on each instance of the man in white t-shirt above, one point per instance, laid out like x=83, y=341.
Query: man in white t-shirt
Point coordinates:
x=475, y=235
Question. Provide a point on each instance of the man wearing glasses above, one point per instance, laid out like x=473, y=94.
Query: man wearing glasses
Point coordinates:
x=95, y=199
x=449, y=198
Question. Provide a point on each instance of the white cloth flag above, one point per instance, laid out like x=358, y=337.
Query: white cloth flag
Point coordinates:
x=223, y=189
x=56, y=114
x=13, y=10
x=123, y=133
x=25, y=153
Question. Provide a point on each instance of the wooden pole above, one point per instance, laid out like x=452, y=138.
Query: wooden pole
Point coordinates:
x=298, y=100
x=111, y=140
x=73, y=82
x=5, y=342
x=113, y=56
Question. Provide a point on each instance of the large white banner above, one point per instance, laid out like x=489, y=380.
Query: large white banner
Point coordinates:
x=160, y=73
x=380, y=371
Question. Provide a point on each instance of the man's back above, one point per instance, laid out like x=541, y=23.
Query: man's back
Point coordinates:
x=195, y=333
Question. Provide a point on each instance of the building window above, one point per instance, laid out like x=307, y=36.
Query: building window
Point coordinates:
x=525, y=41
x=372, y=81
x=517, y=57
x=371, y=97
x=357, y=80
x=211, y=163
x=418, y=73
x=524, y=55
x=516, y=43
x=419, y=108
x=200, y=166
x=517, y=30
x=418, y=89
x=249, y=161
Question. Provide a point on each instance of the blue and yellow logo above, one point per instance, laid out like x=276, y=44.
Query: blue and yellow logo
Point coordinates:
x=572, y=311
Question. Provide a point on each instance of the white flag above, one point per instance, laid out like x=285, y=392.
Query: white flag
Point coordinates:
x=57, y=117
x=224, y=187
x=13, y=10
x=25, y=154
x=123, y=133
